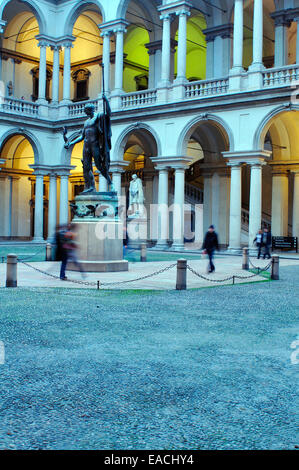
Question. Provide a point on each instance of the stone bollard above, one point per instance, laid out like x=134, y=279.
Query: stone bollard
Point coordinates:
x=245, y=262
x=11, y=271
x=48, y=252
x=275, y=268
x=181, y=274
x=143, y=252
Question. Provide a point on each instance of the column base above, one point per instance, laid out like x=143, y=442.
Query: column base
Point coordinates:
x=235, y=79
x=234, y=250
x=178, y=246
x=161, y=245
x=38, y=240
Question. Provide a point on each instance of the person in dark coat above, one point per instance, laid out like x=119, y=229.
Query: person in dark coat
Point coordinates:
x=259, y=242
x=267, y=242
x=209, y=246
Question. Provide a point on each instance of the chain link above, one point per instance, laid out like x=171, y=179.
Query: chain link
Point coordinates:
x=147, y=276
x=98, y=283
x=235, y=276
x=255, y=267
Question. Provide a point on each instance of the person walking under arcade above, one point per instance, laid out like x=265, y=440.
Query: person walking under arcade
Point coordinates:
x=209, y=246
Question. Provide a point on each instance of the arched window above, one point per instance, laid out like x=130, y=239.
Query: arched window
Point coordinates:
x=81, y=79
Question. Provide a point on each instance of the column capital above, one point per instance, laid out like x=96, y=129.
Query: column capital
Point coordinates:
x=110, y=27
x=224, y=31
x=279, y=170
x=153, y=46
x=183, y=12
x=244, y=156
x=179, y=162
x=281, y=18
x=174, y=7
x=63, y=170
x=118, y=166
x=40, y=170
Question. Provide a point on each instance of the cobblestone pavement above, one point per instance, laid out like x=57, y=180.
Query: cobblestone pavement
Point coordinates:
x=199, y=369
x=226, y=266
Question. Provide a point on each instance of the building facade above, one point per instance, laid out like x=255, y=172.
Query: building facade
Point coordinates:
x=205, y=111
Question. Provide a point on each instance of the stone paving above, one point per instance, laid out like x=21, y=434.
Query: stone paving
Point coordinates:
x=226, y=266
x=198, y=369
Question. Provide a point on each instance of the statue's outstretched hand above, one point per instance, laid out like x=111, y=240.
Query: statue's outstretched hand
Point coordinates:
x=67, y=145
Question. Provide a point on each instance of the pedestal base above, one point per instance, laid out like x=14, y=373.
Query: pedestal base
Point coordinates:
x=101, y=266
x=99, y=233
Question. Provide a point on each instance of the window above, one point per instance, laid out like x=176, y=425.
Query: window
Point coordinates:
x=81, y=79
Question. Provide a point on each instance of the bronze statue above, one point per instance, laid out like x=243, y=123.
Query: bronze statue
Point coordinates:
x=96, y=134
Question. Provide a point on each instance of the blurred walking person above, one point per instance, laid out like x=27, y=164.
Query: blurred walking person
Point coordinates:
x=69, y=252
x=267, y=242
x=210, y=244
x=259, y=242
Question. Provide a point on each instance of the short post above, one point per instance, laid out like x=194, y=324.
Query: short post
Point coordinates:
x=245, y=262
x=11, y=270
x=181, y=274
x=48, y=252
x=275, y=268
x=143, y=252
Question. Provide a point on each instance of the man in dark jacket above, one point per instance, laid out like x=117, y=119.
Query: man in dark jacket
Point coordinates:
x=267, y=242
x=209, y=246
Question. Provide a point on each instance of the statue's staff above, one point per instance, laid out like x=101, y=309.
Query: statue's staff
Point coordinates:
x=106, y=115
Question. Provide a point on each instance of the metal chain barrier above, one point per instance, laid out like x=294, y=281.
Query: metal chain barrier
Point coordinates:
x=230, y=278
x=99, y=283
x=139, y=278
x=255, y=267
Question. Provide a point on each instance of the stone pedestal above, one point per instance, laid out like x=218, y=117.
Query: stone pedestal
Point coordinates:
x=137, y=231
x=100, y=233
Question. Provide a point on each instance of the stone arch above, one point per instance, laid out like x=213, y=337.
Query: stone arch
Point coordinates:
x=145, y=131
x=212, y=121
x=37, y=148
x=33, y=6
x=77, y=10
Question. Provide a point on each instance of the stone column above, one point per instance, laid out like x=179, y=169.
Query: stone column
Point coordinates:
x=255, y=204
x=207, y=201
x=119, y=59
x=39, y=207
x=64, y=199
x=210, y=57
x=163, y=211
x=178, y=210
x=257, y=45
x=55, y=84
x=116, y=179
x=67, y=71
x=42, y=76
x=238, y=37
x=182, y=45
x=280, y=194
x=281, y=39
x=235, y=206
x=103, y=185
x=52, y=208
x=106, y=59
x=165, y=65
x=296, y=204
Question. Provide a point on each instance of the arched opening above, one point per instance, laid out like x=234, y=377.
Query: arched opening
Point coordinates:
x=142, y=45
x=279, y=201
x=17, y=189
x=196, y=48
x=20, y=52
x=207, y=179
x=86, y=55
x=137, y=148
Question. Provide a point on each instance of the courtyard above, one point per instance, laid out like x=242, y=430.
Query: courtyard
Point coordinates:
x=202, y=369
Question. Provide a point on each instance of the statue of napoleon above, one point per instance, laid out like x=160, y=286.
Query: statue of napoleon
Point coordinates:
x=96, y=134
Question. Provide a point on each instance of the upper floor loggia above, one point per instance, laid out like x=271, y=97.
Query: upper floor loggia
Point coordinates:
x=153, y=52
